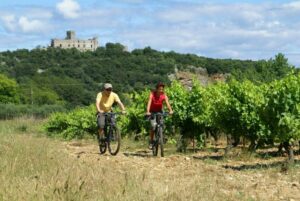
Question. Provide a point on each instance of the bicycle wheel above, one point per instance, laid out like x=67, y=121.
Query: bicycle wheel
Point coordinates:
x=155, y=143
x=161, y=141
x=155, y=148
x=114, y=141
x=102, y=145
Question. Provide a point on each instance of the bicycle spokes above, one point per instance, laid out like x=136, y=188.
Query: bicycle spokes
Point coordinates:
x=114, y=141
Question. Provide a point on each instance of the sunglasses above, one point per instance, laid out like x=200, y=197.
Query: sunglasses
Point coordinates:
x=109, y=89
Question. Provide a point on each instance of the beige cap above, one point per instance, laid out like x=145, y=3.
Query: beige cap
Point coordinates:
x=107, y=86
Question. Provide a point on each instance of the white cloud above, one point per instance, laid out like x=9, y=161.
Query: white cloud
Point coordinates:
x=23, y=24
x=27, y=25
x=9, y=22
x=293, y=5
x=68, y=8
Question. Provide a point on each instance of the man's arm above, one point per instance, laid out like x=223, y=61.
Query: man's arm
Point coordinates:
x=168, y=105
x=98, y=99
x=117, y=99
x=121, y=105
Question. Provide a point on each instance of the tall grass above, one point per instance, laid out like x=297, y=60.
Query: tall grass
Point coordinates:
x=39, y=168
x=10, y=111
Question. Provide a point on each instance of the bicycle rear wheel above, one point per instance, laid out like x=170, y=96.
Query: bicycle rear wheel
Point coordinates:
x=161, y=141
x=114, y=141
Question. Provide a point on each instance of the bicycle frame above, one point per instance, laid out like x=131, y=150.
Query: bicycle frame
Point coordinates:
x=110, y=122
x=159, y=133
x=111, y=133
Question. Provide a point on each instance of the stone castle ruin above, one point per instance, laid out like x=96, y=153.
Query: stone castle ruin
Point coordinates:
x=72, y=42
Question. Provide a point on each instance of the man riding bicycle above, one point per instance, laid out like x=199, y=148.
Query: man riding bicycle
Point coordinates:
x=104, y=102
x=155, y=104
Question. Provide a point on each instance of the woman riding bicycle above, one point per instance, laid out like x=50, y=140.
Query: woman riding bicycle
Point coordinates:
x=155, y=104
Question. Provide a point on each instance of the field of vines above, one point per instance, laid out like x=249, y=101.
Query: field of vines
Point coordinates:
x=262, y=115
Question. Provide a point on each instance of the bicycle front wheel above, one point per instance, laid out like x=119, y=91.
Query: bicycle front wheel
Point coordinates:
x=161, y=141
x=114, y=141
x=102, y=145
x=155, y=147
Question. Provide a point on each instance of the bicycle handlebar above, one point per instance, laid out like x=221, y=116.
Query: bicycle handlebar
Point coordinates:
x=110, y=113
x=160, y=113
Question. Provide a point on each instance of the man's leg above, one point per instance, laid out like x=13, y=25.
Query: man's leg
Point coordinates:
x=101, y=123
x=151, y=134
x=100, y=132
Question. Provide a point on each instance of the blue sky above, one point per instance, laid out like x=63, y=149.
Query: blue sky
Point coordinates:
x=216, y=28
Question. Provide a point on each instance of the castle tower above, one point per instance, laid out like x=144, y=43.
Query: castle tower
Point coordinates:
x=70, y=35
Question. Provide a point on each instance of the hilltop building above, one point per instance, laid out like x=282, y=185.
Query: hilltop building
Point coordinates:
x=72, y=42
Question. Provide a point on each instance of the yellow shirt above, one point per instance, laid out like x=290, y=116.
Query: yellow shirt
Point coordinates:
x=106, y=102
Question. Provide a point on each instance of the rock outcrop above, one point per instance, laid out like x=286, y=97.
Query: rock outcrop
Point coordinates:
x=187, y=76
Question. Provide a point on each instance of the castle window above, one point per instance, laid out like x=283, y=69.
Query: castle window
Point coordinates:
x=69, y=45
x=91, y=46
x=78, y=45
x=60, y=45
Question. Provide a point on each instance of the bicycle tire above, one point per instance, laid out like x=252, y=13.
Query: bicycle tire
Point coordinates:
x=155, y=148
x=155, y=143
x=161, y=141
x=114, y=141
x=102, y=146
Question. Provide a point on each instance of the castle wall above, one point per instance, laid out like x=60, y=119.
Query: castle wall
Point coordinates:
x=82, y=45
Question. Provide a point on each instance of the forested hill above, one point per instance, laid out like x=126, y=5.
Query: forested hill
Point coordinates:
x=55, y=76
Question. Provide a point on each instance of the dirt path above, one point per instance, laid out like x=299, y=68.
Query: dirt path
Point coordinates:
x=255, y=178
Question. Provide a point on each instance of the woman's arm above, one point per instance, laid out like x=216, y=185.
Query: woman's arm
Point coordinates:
x=168, y=105
x=149, y=104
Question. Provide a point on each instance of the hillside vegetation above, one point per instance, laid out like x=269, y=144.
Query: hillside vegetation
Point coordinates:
x=72, y=78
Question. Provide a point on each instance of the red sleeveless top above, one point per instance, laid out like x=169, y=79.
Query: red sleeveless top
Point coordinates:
x=157, y=102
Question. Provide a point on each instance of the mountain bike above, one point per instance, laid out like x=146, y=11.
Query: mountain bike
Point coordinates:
x=112, y=136
x=158, y=141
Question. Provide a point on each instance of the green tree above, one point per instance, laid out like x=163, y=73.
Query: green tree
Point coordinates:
x=8, y=90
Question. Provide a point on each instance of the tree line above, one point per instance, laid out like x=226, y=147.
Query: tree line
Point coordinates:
x=71, y=78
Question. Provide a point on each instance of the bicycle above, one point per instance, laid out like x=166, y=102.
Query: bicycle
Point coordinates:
x=158, y=133
x=112, y=136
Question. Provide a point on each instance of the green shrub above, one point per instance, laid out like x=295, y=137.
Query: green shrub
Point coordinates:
x=73, y=124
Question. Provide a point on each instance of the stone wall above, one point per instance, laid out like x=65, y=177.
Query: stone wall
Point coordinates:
x=72, y=42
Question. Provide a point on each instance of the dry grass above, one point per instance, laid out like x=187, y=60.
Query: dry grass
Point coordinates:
x=33, y=167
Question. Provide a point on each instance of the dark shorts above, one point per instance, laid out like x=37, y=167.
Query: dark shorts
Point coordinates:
x=105, y=119
x=100, y=120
